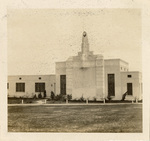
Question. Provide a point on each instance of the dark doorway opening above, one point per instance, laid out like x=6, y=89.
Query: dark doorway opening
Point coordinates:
x=111, y=85
x=129, y=88
x=62, y=84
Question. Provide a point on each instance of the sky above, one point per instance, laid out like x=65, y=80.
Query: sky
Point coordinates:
x=37, y=38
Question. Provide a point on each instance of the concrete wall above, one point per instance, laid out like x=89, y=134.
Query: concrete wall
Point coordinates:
x=60, y=70
x=83, y=77
x=84, y=83
x=30, y=81
x=100, y=79
x=136, y=81
x=114, y=66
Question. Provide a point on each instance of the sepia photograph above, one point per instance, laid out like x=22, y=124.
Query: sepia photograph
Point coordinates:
x=74, y=70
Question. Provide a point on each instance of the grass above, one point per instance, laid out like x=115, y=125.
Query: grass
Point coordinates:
x=76, y=118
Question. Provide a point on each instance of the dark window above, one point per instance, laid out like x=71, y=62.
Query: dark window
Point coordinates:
x=129, y=88
x=20, y=78
x=39, y=77
x=39, y=87
x=7, y=85
x=111, y=84
x=129, y=76
x=20, y=87
x=63, y=84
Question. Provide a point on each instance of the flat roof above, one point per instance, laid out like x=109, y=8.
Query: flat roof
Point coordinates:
x=131, y=72
x=33, y=75
x=115, y=60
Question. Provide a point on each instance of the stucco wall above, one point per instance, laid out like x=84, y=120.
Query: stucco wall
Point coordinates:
x=113, y=66
x=83, y=77
x=136, y=81
x=84, y=82
x=30, y=81
x=60, y=70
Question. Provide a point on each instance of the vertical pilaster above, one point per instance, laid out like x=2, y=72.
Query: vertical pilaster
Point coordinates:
x=69, y=76
x=100, y=78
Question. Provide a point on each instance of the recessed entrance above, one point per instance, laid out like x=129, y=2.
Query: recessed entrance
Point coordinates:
x=111, y=85
x=63, y=84
x=129, y=88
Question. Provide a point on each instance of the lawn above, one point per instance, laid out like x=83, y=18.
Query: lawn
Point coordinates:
x=76, y=118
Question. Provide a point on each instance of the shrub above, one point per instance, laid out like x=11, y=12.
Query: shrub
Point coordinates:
x=59, y=97
x=82, y=99
x=52, y=95
x=94, y=99
x=62, y=97
x=39, y=95
x=44, y=93
x=69, y=97
x=109, y=98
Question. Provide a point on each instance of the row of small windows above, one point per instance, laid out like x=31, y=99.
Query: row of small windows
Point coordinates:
x=20, y=87
x=21, y=78
x=125, y=69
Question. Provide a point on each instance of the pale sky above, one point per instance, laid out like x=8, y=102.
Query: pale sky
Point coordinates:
x=38, y=38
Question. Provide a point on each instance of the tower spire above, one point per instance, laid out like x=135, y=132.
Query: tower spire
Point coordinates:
x=85, y=44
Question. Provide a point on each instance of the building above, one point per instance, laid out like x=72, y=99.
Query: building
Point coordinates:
x=85, y=75
x=29, y=85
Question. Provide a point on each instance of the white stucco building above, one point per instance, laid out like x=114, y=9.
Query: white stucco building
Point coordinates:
x=29, y=85
x=85, y=75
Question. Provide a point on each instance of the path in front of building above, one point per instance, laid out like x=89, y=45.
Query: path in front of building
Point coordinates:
x=65, y=104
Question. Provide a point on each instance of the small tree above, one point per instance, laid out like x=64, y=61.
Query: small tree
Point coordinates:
x=44, y=93
x=52, y=95
x=69, y=97
x=40, y=95
x=82, y=98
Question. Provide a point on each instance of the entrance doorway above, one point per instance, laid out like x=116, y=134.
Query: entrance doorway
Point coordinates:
x=129, y=88
x=63, y=84
x=111, y=85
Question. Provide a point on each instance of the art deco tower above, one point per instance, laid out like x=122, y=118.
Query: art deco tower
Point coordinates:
x=84, y=73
